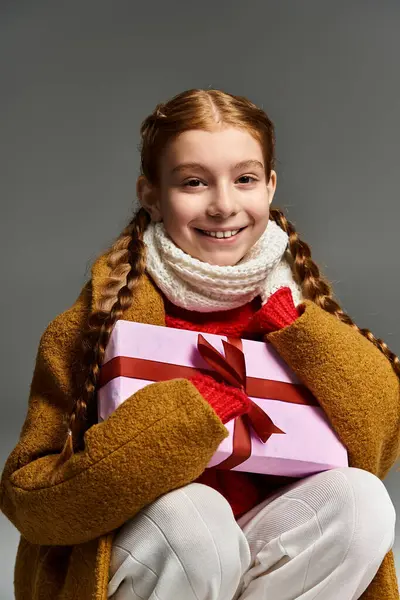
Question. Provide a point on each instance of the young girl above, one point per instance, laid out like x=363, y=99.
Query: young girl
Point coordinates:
x=126, y=509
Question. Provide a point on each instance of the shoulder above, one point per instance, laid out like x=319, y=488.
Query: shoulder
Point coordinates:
x=60, y=348
x=71, y=319
x=328, y=339
x=62, y=336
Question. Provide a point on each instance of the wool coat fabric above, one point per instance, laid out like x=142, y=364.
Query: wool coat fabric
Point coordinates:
x=162, y=438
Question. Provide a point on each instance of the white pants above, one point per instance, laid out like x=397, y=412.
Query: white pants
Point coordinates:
x=322, y=538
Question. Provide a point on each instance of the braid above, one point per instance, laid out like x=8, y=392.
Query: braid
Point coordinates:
x=316, y=288
x=127, y=261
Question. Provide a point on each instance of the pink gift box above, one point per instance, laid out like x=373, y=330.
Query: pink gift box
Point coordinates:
x=139, y=354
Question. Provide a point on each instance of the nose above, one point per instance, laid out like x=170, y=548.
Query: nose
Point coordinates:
x=223, y=204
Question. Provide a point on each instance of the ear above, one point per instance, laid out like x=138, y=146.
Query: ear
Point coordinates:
x=271, y=186
x=149, y=198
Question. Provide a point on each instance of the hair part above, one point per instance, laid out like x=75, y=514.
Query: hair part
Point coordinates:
x=206, y=110
x=192, y=109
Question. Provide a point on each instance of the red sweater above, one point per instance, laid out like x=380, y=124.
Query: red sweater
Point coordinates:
x=242, y=490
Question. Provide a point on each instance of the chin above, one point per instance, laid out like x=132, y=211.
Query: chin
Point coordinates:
x=221, y=261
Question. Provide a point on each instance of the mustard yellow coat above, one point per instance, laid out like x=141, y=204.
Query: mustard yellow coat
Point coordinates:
x=162, y=438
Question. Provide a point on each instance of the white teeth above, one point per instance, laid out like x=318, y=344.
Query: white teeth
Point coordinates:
x=221, y=234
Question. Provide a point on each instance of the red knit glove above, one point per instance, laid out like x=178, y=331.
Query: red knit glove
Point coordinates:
x=278, y=312
x=227, y=401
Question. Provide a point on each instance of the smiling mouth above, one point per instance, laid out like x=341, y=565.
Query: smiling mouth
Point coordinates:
x=221, y=235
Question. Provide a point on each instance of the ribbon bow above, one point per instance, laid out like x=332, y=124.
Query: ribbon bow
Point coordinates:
x=232, y=367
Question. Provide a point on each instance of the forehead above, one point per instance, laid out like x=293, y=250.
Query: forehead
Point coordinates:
x=217, y=149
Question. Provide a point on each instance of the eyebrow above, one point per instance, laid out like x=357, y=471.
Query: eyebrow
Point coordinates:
x=245, y=164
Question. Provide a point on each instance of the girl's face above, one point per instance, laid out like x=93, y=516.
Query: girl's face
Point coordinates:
x=212, y=182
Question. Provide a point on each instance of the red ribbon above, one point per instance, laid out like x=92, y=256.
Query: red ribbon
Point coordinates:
x=232, y=367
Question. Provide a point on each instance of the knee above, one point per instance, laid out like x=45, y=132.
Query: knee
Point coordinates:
x=175, y=504
x=362, y=511
x=198, y=522
x=193, y=510
x=188, y=537
x=373, y=505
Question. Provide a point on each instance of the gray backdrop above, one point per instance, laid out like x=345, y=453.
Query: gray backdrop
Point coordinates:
x=77, y=78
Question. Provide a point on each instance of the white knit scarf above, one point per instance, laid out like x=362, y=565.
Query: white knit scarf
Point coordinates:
x=199, y=286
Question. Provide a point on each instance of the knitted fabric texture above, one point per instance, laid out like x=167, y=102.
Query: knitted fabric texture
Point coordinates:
x=199, y=286
x=278, y=312
x=235, y=322
x=227, y=401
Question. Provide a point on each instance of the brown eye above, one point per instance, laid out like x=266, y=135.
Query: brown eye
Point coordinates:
x=187, y=183
x=247, y=177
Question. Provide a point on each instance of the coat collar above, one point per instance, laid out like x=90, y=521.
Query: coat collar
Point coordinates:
x=148, y=304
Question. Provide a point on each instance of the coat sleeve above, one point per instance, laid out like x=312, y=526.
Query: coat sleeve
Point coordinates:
x=159, y=439
x=352, y=380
